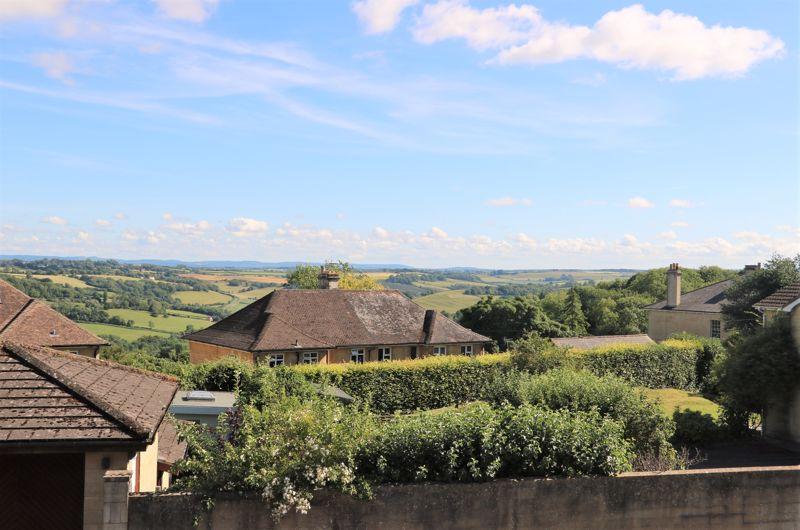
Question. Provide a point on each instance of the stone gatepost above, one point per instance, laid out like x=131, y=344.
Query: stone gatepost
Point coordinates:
x=115, y=499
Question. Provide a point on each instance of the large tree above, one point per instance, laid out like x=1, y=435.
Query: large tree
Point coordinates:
x=507, y=319
x=749, y=288
x=307, y=277
x=572, y=314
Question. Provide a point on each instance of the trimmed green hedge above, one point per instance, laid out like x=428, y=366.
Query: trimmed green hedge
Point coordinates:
x=421, y=384
x=479, y=442
x=672, y=363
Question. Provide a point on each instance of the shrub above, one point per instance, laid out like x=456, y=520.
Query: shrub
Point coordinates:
x=669, y=364
x=478, y=442
x=423, y=384
x=285, y=452
x=644, y=425
x=537, y=355
x=694, y=428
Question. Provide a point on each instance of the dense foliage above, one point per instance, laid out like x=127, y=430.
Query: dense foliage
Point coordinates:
x=307, y=277
x=761, y=369
x=507, y=319
x=479, y=442
x=750, y=288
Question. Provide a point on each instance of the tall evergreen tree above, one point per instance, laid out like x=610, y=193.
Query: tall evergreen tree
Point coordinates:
x=572, y=314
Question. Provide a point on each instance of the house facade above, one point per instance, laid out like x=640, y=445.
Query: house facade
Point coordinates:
x=329, y=326
x=77, y=434
x=29, y=321
x=698, y=312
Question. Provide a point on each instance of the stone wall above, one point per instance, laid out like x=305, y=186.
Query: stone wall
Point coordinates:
x=663, y=323
x=765, y=498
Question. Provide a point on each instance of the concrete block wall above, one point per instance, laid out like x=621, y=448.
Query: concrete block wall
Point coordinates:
x=764, y=498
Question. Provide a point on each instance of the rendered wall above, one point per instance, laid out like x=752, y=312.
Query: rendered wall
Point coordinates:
x=764, y=498
x=662, y=324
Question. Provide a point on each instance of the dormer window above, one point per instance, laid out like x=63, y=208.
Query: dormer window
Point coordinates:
x=53, y=333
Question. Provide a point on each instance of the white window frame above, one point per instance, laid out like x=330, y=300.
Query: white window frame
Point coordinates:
x=310, y=357
x=385, y=353
x=718, y=325
x=275, y=359
x=466, y=349
x=440, y=350
x=356, y=353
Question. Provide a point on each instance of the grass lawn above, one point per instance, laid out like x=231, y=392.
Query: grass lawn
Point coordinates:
x=670, y=398
x=450, y=301
x=129, y=334
x=202, y=297
x=169, y=324
x=255, y=294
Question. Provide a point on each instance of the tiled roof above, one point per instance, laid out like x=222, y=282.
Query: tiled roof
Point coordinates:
x=50, y=396
x=29, y=321
x=780, y=298
x=595, y=341
x=327, y=318
x=170, y=447
x=708, y=299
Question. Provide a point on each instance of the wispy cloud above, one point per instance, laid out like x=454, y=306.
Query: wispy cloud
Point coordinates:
x=380, y=16
x=57, y=65
x=509, y=201
x=681, y=203
x=640, y=202
x=10, y=9
x=55, y=220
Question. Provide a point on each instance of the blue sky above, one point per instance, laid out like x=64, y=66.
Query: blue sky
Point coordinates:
x=429, y=132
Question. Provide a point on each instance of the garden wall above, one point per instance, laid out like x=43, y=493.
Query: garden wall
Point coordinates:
x=720, y=498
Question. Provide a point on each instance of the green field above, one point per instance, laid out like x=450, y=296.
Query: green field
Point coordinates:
x=55, y=278
x=168, y=324
x=669, y=398
x=129, y=334
x=202, y=297
x=450, y=301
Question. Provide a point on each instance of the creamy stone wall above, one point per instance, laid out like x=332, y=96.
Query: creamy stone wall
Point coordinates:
x=663, y=323
x=200, y=352
x=93, y=484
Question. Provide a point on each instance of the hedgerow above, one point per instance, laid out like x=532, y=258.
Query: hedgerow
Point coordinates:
x=422, y=384
x=645, y=427
x=669, y=364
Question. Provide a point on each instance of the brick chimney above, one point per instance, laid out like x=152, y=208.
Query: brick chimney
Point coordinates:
x=328, y=279
x=673, y=285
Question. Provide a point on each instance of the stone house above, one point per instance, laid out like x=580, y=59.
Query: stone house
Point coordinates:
x=698, y=312
x=29, y=321
x=330, y=325
x=77, y=434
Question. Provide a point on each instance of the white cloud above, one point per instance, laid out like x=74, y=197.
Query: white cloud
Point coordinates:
x=639, y=202
x=102, y=223
x=596, y=79
x=119, y=216
x=380, y=16
x=629, y=38
x=493, y=27
x=188, y=228
x=669, y=234
x=30, y=8
x=509, y=201
x=167, y=216
x=382, y=233
x=82, y=236
x=525, y=240
x=438, y=233
x=57, y=65
x=679, y=224
x=244, y=227
x=55, y=220
x=191, y=10
x=680, y=203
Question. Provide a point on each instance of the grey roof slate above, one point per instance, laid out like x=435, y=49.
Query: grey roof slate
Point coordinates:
x=595, y=341
x=708, y=299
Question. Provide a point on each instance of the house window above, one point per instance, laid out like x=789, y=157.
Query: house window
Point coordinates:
x=716, y=329
x=384, y=354
x=440, y=350
x=357, y=355
x=466, y=350
x=310, y=357
x=276, y=359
